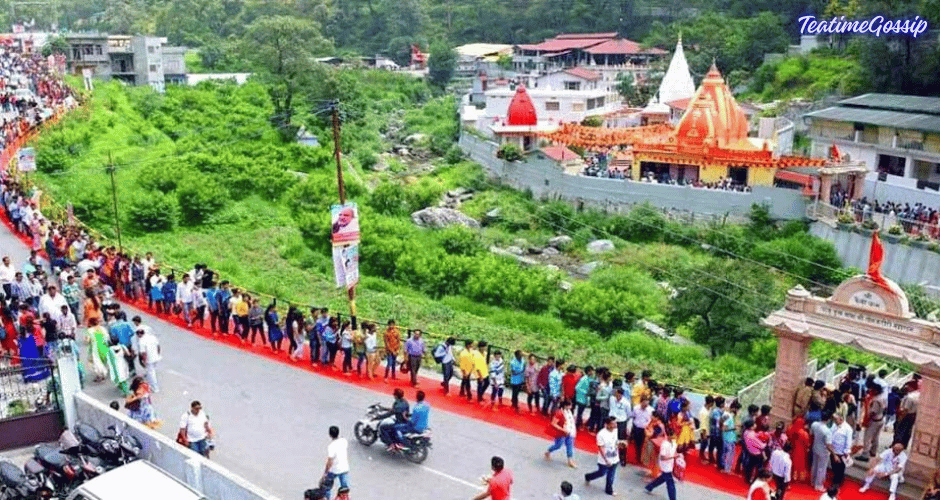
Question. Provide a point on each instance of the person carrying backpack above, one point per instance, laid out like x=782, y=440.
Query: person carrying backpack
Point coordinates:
x=444, y=355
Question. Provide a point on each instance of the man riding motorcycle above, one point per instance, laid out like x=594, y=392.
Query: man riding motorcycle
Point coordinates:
x=397, y=415
x=416, y=423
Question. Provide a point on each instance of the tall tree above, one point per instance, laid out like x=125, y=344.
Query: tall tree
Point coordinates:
x=282, y=49
x=441, y=64
x=723, y=302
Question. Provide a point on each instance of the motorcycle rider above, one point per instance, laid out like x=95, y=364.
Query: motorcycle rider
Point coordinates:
x=397, y=415
x=417, y=421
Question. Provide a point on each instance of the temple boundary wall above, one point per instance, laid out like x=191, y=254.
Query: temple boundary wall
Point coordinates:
x=547, y=180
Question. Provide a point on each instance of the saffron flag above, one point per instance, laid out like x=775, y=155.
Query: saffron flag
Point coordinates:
x=834, y=153
x=874, y=263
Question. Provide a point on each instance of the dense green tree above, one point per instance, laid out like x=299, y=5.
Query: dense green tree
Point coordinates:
x=282, y=49
x=722, y=302
x=441, y=64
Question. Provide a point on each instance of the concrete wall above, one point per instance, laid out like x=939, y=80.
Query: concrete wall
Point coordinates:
x=213, y=480
x=547, y=180
x=899, y=189
x=902, y=263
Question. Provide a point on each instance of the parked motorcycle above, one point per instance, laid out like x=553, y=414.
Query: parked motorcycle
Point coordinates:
x=65, y=472
x=115, y=447
x=26, y=484
x=414, y=447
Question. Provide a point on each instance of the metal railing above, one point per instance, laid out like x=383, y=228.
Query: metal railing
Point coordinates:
x=28, y=386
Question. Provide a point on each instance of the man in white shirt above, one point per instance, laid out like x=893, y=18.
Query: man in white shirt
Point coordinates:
x=891, y=466
x=184, y=295
x=7, y=273
x=195, y=428
x=51, y=302
x=667, y=460
x=839, y=445
x=642, y=415
x=781, y=466
x=607, y=455
x=67, y=323
x=148, y=349
x=337, y=461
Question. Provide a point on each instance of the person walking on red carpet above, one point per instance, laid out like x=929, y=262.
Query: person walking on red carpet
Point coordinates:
x=667, y=461
x=607, y=455
x=562, y=430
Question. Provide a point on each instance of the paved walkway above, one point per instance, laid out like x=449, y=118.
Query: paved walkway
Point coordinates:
x=272, y=418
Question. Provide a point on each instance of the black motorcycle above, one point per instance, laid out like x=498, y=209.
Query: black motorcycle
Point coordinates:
x=414, y=446
x=114, y=447
x=26, y=484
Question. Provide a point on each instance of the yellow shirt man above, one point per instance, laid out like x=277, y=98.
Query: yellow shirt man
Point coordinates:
x=479, y=365
x=465, y=362
x=639, y=390
x=241, y=308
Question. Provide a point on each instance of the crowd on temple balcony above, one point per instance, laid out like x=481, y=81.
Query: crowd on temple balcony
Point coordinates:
x=916, y=219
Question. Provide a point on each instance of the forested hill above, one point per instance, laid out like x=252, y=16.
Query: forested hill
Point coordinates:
x=737, y=33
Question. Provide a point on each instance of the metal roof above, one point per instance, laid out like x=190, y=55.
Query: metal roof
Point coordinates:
x=895, y=102
x=881, y=117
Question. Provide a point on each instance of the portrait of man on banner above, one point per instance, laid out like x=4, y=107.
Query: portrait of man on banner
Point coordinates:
x=344, y=221
x=346, y=265
x=26, y=160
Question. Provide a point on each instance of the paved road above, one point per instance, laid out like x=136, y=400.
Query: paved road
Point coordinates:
x=272, y=419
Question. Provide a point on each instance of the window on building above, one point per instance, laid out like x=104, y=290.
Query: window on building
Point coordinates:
x=88, y=49
x=98, y=50
x=153, y=68
x=76, y=53
x=152, y=49
x=577, y=106
x=572, y=85
x=551, y=106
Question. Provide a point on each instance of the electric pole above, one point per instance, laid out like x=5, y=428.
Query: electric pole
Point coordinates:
x=342, y=195
x=117, y=222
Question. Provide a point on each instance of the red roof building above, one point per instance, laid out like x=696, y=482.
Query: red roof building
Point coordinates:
x=583, y=73
x=560, y=153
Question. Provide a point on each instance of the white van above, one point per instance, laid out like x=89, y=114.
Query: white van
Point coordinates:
x=140, y=480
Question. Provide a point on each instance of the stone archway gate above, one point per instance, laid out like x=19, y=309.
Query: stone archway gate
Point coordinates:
x=874, y=319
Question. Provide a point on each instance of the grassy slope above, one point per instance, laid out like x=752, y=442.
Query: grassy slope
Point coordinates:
x=256, y=245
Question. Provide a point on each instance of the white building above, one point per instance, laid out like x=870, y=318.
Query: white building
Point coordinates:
x=896, y=136
x=474, y=58
x=567, y=79
x=555, y=105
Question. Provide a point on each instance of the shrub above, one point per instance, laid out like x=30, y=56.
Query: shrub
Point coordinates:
x=424, y=193
x=895, y=230
x=389, y=198
x=153, y=212
x=51, y=160
x=367, y=159
x=460, y=240
x=509, y=152
x=454, y=155
x=199, y=198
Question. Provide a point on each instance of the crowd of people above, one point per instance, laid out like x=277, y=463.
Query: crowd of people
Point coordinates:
x=597, y=169
x=913, y=219
x=30, y=93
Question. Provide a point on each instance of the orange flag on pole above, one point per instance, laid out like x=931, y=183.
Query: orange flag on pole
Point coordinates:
x=874, y=263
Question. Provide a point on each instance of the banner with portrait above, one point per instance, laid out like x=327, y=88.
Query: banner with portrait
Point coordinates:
x=26, y=160
x=344, y=224
x=346, y=265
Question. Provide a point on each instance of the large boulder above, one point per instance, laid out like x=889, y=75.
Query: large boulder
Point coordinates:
x=600, y=246
x=560, y=242
x=439, y=217
x=589, y=268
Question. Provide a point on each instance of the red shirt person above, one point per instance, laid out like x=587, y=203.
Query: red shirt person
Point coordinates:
x=499, y=484
x=568, y=383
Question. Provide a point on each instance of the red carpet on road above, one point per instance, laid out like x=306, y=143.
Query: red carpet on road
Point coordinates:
x=534, y=425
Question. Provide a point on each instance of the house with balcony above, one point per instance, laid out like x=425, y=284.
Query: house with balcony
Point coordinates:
x=135, y=60
x=896, y=136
